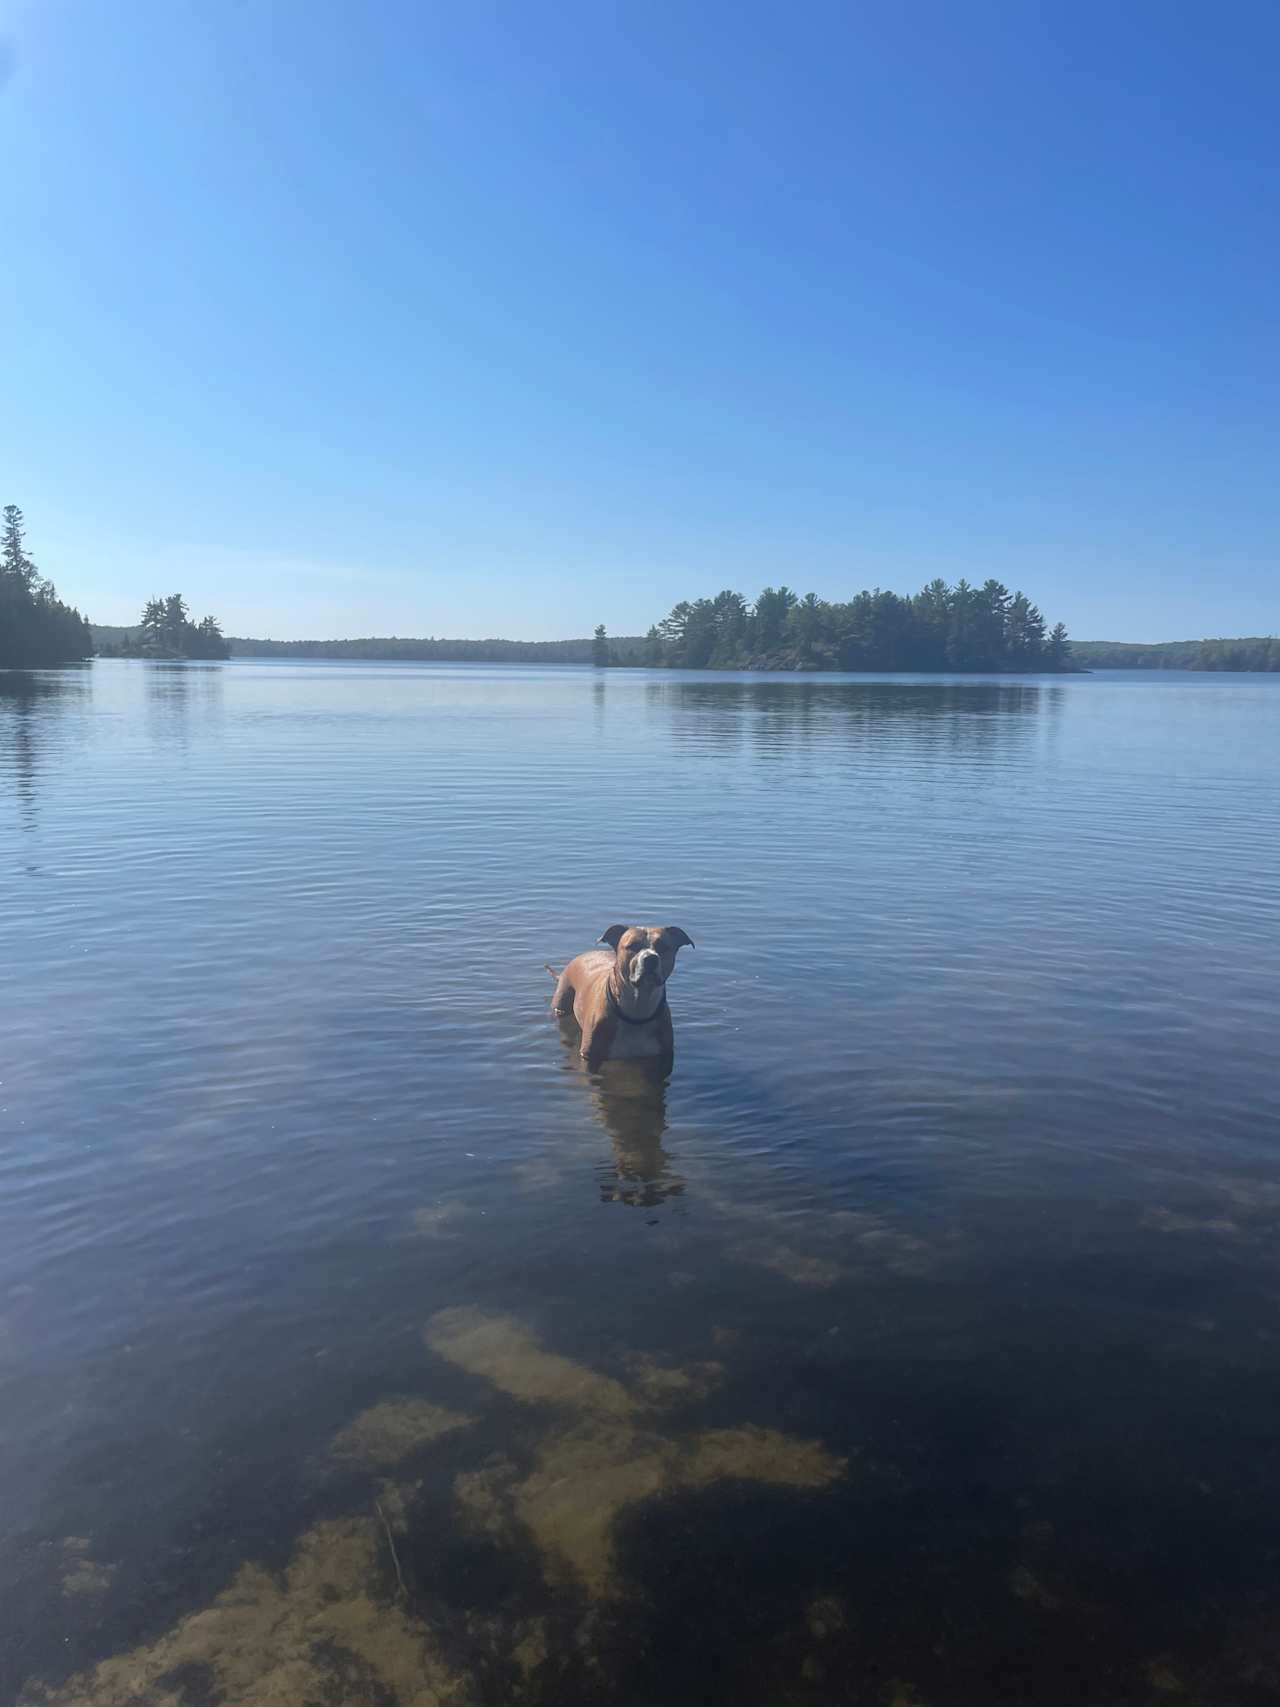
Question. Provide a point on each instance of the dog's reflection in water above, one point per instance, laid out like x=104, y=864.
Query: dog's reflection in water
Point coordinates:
x=629, y=1099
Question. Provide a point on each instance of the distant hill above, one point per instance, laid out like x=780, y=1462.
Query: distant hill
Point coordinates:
x=1251, y=653
x=626, y=649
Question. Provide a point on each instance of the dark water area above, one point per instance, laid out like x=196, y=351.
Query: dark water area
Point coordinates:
x=918, y=1344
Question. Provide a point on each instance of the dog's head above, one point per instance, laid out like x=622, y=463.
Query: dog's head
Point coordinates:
x=646, y=953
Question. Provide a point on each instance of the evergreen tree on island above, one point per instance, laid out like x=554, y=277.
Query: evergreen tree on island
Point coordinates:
x=167, y=631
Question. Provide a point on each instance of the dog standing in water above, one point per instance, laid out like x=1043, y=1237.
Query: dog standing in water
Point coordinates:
x=619, y=996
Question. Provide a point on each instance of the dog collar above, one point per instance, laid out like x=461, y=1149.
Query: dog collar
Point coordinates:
x=629, y=1019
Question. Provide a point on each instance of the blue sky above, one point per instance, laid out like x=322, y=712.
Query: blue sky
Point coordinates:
x=513, y=318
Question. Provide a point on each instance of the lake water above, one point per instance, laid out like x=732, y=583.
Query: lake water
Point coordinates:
x=919, y=1346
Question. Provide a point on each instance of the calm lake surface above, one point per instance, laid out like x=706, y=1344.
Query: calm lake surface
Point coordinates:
x=919, y=1346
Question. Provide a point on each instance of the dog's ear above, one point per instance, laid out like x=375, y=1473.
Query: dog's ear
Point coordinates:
x=682, y=939
x=614, y=935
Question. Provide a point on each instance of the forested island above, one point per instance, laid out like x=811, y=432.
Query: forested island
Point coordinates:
x=166, y=631
x=963, y=628
x=36, y=628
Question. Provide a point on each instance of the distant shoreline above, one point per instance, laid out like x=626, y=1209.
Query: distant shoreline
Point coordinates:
x=612, y=669
x=1250, y=654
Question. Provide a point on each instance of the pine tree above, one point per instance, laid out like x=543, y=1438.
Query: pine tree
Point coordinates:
x=152, y=625
x=14, y=562
x=1058, y=650
x=771, y=612
x=176, y=622
x=993, y=602
x=206, y=641
x=36, y=628
x=673, y=630
x=805, y=623
x=962, y=635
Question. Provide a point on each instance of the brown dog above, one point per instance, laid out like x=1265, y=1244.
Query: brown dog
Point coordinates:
x=619, y=998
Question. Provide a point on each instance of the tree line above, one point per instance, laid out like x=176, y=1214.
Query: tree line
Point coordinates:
x=36, y=628
x=1252, y=653
x=393, y=648
x=986, y=628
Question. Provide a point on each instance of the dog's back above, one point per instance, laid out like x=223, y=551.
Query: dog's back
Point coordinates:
x=580, y=978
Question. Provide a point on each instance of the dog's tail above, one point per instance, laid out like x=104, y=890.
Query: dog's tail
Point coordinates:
x=551, y=969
